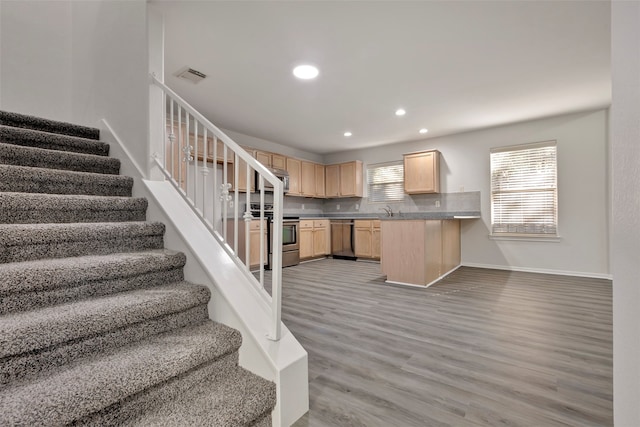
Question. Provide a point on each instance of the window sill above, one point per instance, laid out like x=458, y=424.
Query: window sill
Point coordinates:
x=525, y=237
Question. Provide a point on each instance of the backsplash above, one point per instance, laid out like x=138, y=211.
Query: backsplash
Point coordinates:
x=449, y=202
x=468, y=201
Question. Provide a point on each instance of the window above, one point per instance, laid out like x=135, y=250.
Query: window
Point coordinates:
x=385, y=182
x=524, y=193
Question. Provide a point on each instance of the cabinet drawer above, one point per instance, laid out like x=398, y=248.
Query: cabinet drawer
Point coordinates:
x=321, y=223
x=307, y=223
x=255, y=225
x=361, y=223
x=376, y=223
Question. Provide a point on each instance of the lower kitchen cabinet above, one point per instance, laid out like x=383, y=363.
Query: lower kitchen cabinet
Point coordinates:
x=254, y=240
x=419, y=252
x=314, y=238
x=367, y=238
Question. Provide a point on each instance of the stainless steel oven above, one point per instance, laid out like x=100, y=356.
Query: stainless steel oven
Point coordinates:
x=290, y=236
x=290, y=242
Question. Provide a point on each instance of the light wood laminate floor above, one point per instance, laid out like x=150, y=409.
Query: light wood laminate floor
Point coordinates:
x=482, y=347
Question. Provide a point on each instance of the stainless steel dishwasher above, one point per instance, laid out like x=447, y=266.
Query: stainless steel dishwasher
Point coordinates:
x=342, y=239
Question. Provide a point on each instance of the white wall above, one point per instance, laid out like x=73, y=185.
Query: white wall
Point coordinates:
x=35, y=55
x=110, y=68
x=78, y=62
x=582, y=190
x=625, y=246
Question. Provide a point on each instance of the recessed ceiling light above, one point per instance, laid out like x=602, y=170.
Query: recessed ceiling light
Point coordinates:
x=348, y=134
x=424, y=130
x=400, y=112
x=305, y=72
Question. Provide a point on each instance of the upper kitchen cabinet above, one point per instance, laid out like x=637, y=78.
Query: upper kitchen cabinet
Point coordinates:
x=422, y=172
x=271, y=160
x=294, y=168
x=311, y=179
x=319, y=169
x=344, y=180
x=243, y=184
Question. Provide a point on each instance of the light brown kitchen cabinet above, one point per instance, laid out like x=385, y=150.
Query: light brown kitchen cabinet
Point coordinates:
x=321, y=238
x=314, y=238
x=306, y=239
x=419, y=252
x=264, y=158
x=254, y=240
x=422, y=172
x=319, y=172
x=242, y=175
x=344, y=179
x=375, y=240
x=278, y=161
x=367, y=238
x=294, y=169
x=271, y=160
x=307, y=179
x=332, y=181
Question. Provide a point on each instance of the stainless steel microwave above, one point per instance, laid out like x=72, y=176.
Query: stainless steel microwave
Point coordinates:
x=281, y=174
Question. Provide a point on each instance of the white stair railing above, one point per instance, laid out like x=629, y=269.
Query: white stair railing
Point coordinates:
x=194, y=155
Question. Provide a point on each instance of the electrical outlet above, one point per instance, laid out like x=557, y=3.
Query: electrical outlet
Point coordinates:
x=357, y=206
x=437, y=203
x=303, y=206
x=337, y=207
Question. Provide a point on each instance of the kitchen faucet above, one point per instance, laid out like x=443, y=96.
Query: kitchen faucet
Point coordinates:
x=388, y=210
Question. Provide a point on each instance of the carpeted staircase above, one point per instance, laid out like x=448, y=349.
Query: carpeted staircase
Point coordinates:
x=97, y=325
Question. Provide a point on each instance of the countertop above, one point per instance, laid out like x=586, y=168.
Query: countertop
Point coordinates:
x=396, y=217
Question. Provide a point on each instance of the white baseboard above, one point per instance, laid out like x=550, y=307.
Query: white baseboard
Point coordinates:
x=539, y=270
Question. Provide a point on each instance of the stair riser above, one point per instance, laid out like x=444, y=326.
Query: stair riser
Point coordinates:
x=38, y=158
x=28, y=301
x=51, y=141
x=47, y=216
x=79, y=248
x=128, y=409
x=34, y=363
x=37, y=123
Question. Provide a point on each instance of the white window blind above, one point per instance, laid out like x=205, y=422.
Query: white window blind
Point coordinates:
x=524, y=193
x=385, y=182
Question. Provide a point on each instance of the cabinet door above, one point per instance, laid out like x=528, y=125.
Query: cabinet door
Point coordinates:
x=362, y=242
x=319, y=170
x=242, y=177
x=320, y=238
x=422, y=172
x=293, y=167
x=332, y=181
x=306, y=243
x=308, y=179
x=264, y=158
x=278, y=161
x=375, y=242
x=351, y=179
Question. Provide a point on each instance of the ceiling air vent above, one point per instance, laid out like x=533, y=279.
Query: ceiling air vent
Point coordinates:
x=194, y=76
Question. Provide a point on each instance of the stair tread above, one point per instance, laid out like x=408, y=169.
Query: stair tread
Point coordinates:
x=91, y=384
x=20, y=234
x=53, y=141
x=47, y=274
x=21, y=155
x=233, y=400
x=56, y=181
x=29, y=201
x=26, y=121
x=42, y=328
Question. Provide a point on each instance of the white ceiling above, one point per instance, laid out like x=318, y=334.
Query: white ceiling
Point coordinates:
x=454, y=66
